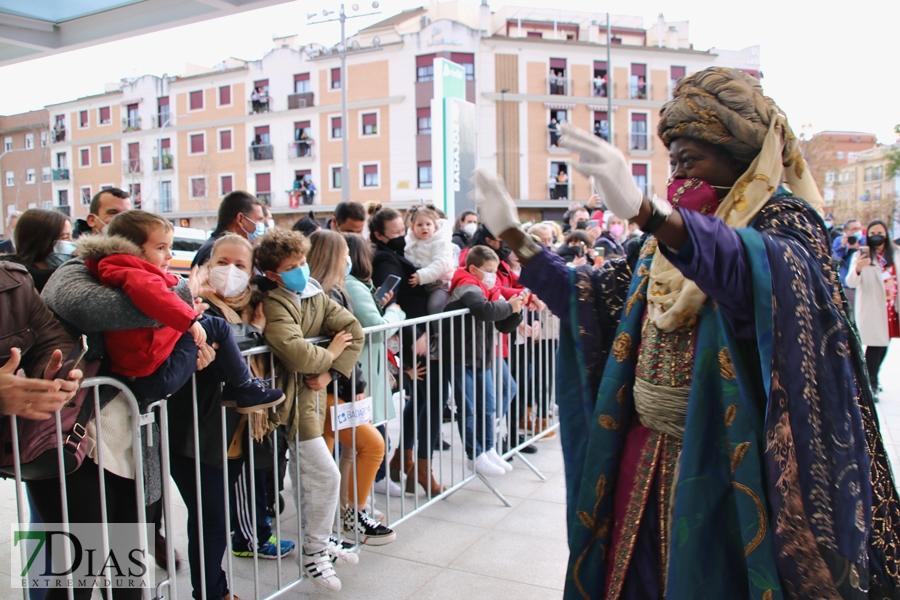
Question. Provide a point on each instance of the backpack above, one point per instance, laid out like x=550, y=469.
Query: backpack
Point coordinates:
x=38, y=453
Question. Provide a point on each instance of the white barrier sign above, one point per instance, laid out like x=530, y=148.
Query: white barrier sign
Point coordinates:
x=352, y=414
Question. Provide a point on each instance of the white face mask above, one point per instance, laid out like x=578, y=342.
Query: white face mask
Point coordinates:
x=489, y=279
x=470, y=228
x=270, y=223
x=228, y=280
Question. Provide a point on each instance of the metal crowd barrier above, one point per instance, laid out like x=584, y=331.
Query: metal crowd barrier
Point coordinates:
x=523, y=385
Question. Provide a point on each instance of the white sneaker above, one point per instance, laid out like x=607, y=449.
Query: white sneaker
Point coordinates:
x=320, y=569
x=387, y=486
x=498, y=460
x=484, y=465
x=339, y=556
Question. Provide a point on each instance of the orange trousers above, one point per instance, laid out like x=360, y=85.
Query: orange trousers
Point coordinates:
x=369, y=456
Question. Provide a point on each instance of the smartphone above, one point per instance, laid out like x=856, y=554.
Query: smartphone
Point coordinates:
x=388, y=286
x=593, y=223
x=601, y=251
x=864, y=253
x=74, y=358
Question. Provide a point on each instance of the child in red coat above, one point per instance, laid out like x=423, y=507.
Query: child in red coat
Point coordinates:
x=134, y=257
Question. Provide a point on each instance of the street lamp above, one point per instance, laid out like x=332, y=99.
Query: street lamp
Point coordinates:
x=503, y=129
x=342, y=52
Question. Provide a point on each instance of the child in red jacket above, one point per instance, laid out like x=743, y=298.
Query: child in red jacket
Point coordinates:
x=134, y=256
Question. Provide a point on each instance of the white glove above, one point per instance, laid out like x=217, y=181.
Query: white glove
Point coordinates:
x=495, y=207
x=606, y=164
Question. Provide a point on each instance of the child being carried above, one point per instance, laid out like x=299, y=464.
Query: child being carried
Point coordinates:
x=429, y=246
x=135, y=257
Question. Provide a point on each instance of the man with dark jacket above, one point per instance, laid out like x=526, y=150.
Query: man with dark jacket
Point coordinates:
x=241, y=213
x=105, y=204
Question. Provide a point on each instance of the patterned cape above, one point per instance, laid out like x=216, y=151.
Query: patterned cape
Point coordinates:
x=784, y=489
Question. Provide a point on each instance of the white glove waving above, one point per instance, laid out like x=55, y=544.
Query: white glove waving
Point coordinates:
x=495, y=207
x=604, y=162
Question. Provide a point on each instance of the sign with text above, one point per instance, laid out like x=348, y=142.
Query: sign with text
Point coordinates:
x=452, y=138
x=79, y=555
x=351, y=414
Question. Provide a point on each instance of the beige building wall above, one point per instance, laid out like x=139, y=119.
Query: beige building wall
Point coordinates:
x=22, y=195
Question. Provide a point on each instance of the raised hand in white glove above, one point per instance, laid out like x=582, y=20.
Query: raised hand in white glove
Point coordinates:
x=495, y=207
x=604, y=162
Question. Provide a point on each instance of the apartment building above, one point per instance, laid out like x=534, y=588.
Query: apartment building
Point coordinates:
x=863, y=190
x=181, y=143
x=25, y=163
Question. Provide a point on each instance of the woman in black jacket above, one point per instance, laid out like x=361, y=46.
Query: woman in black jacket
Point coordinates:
x=43, y=243
x=388, y=233
x=466, y=224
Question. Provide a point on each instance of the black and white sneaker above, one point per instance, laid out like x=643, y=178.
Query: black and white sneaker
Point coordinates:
x=320, y=569
x=370, y=531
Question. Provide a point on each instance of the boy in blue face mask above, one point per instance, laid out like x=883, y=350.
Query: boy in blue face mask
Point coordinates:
x=297, y=309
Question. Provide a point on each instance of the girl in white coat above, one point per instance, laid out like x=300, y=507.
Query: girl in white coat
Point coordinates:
x=429, y=247
x=873, y=274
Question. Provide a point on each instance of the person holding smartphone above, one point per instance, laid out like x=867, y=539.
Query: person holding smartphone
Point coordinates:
x=843, y=248
x=873, y=275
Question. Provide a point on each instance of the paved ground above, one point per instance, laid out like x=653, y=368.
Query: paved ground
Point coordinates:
x=468, y=546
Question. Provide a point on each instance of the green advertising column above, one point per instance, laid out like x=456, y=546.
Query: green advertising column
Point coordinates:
x=452, y=138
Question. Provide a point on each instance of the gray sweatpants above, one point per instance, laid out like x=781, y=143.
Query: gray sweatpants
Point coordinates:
x=320, y=483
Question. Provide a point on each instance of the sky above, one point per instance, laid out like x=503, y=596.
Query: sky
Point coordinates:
x=829, y=67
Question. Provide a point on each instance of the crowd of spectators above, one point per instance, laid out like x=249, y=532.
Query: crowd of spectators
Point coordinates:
x=252, y=284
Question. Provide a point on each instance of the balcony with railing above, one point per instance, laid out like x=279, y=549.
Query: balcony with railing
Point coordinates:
x=559, y=85
x=60, y=174
x=640, y=143
x=132, y=123
x=553, y=146
x=131, y=165
x=168, y=162
x=163, y=119
x=265, y=198
x=302, y=100
x=599, y=88
x=261, y=152
x=263, y=105
x=639, y=90
x=559, y=191
x=302, y=149
x=58, y=134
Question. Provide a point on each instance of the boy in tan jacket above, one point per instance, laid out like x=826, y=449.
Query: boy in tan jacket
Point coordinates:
x=295, y=310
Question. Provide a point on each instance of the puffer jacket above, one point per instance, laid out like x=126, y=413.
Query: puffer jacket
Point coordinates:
x=434, y=257
x=27, y=324
x=290, y=319
x=488, y=309
x=115, y=262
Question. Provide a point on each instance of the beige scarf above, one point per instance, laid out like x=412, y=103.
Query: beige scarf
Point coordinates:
x=673, y=301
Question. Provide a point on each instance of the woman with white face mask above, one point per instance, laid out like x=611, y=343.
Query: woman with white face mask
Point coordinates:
x=466, y=225
x=43, y=242
x=229, y=296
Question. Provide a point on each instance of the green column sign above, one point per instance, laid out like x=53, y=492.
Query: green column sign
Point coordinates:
x=452, y=138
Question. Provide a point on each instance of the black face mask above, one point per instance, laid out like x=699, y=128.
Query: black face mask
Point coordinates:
x=876, y=240
x=581, y=225
x=398, y=244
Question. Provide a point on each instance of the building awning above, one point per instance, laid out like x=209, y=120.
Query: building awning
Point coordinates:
x=560, y=105
x=31, y=30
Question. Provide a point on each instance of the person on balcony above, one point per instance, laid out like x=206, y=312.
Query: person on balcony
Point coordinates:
x=729, y=447
x=553, y=128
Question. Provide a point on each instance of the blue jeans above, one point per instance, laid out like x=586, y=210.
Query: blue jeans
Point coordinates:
x=508, y=387
x=473, y=389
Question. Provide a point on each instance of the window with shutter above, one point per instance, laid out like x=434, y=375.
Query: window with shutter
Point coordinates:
x=639, y=173
x=225, y=139
x=85, y=157
x=370, y=175
x=105, y=155
x=425, y=174
x=198, y=187
x=225, y=95
x=302, y=83
x=196, y=100
x=105, y=116
x=83, y=118
x=198, y=145
x=370, y=123
x=425, y=68
x=336, y=78
x=638, y=81
x=423, y=116
x=263, y=183
x=336, y=129
x=226, y=183
x=336, y=178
